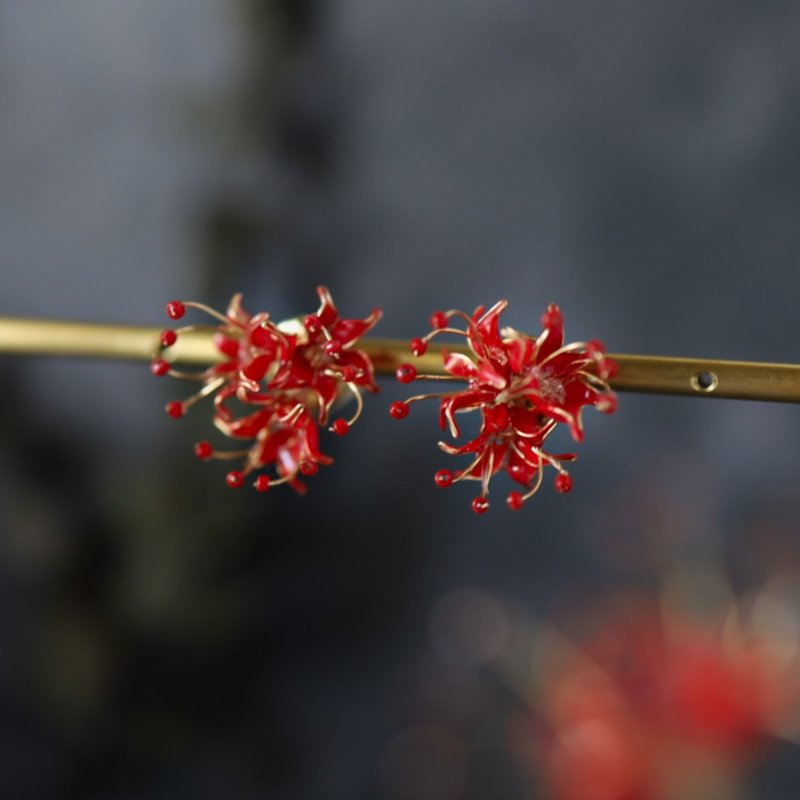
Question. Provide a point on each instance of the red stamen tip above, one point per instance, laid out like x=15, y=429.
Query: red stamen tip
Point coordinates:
x=174, y=409
x=312, y=324
x=480, y=505
x=418, y=347
x=563, y=483
x=443, y=478
x=234, y=479
x=349, y=374
x=159, y=367
x=203, y=450
x=262, y=483
x=341, y=427
x=309, y=468
x=406, y=373
x=176, y=309
x=438, y=320
x=515, y=501
x=168, y=338
x=399, y=409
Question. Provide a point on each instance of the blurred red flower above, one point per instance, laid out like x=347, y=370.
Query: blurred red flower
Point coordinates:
x=655, y=705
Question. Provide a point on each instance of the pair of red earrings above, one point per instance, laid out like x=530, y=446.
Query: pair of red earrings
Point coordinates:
x=275, y=385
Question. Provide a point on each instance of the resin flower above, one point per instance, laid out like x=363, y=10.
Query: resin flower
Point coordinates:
x=282, y=432
x=275, y=385
x=521, y=387
x=326, y=357
x=654, y=702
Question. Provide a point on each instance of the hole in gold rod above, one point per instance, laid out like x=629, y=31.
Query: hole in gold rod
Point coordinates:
x=704, y=381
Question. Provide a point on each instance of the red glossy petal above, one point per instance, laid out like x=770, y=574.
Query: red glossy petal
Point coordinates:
x=552, y=338
x=526, y=420
x=227, y=345
x=472, y=446
x=256, y=369
x=295, y=372
x=489, y=324
x=349, y=331
x=327, y=310
x=520, y=353
x=236, y=312
x=327, y=390
x=496, y=418
x=567, y=365
x=488, y=375
x=459, y=365
x=461, y=401
x=247, y=427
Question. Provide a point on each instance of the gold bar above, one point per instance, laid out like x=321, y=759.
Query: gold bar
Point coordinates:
x=695, y=377
x=703, y=377
x=32, y=337
x=692, y=377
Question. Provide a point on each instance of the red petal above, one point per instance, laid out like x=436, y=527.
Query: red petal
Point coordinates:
x=327, y=390
x=484, y=333
x=472, y=446
x=526, y=420
x=327, y=310
x=248, y=427
x=459, y=365
x=257, y=368
x=552, y=338
x=227, y=345
x=349, y=331
x=487, y=374
x=520, y=353
x=296, y=372
x=566, y=365
x=236, y=313
x=461, y=401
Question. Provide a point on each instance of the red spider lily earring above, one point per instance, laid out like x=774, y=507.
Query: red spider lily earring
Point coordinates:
x=275, y=385
x=522, y=387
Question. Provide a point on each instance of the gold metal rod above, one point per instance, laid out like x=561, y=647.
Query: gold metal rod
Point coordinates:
x=693, y=377
x=33, y=337
x=703, y=377
x=696, y=377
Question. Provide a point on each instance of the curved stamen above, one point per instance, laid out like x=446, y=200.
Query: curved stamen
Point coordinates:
x=359, y=402
x=213, y=313
x=536, y=486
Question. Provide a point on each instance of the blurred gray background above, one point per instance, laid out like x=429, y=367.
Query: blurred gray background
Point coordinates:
x=634, y=161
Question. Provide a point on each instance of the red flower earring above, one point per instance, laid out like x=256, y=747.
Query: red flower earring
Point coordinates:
x=522, y=387
x=275, y=385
